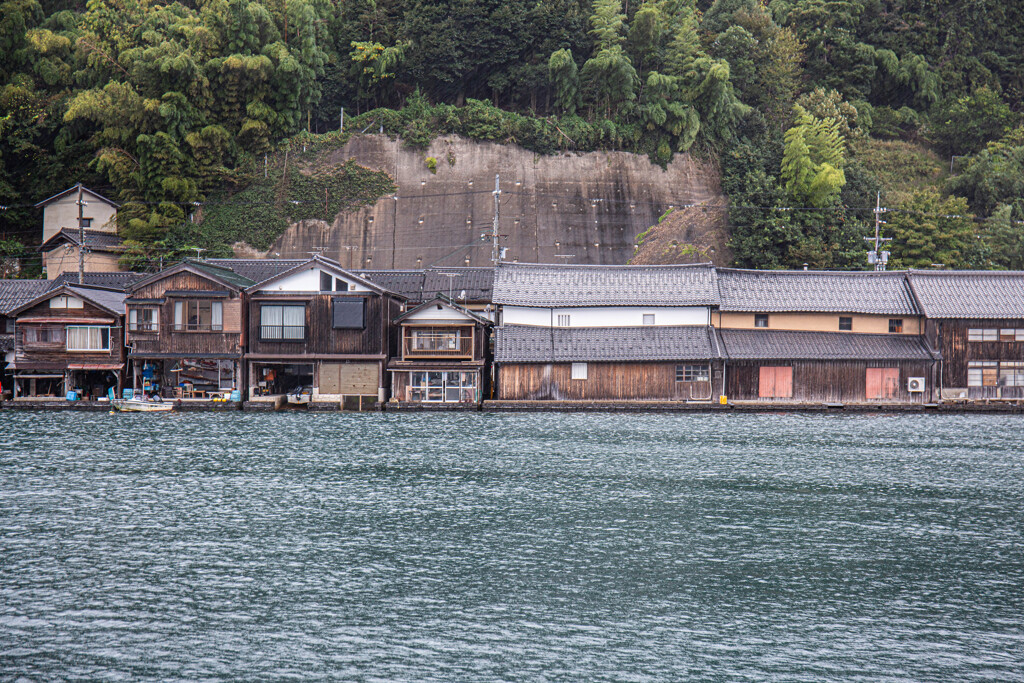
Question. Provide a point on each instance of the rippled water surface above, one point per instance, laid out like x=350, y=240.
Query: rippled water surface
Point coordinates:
x=511, y=547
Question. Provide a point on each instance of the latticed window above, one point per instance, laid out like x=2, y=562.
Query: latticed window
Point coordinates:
x=693, y=373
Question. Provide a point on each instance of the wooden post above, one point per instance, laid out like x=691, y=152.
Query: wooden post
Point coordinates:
x=81, y=237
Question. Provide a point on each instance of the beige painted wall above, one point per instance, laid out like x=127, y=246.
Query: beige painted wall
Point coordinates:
x=63, y=213
x=818, y=322
x=64, y=259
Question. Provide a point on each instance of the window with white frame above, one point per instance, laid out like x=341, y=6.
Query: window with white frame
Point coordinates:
x=982, y=335
x=88, y=338
x=648, y=318
x=196, y=315
x=563, y=320
x=282, y=322
x=142, y=319
x=579, y=371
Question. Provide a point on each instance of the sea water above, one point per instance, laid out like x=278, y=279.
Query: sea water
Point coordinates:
x=511, y=547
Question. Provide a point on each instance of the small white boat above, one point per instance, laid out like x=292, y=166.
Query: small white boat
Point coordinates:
x=300, y=395
x=136, y=405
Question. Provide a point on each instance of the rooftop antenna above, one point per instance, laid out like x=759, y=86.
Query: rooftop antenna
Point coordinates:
x=198, y=252
x=451, y=278
x=876, y=257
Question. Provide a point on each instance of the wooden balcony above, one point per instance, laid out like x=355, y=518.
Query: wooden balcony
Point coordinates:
x=448, y=345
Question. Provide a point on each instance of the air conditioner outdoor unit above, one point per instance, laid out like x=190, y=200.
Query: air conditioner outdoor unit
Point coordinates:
x=915, y=385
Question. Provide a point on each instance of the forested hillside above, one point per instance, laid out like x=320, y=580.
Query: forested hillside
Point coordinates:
x=808, y=106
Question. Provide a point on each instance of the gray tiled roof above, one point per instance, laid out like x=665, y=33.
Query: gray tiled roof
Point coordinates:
x=528, y=344
x=753, y=291
x=14, y=293
x=106, y=298
x=785, y=345
x=969, y=294
x=97, y=240
x=256, y=270
x=531, y=284
x=111, y=280
x=424, y=285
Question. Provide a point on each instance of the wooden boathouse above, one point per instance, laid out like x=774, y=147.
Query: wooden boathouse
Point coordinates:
x=186, y=331
x=976, y=320
x=319, y=326
x=68, y=339
x=823, y=337
x=606, y=332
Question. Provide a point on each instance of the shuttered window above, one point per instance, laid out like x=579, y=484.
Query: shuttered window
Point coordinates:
x=349, y=313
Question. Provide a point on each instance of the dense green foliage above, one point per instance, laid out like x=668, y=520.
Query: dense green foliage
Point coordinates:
x=167, y=106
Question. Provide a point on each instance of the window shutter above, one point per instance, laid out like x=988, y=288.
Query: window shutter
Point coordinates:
x=349, y=314
x=179, y=314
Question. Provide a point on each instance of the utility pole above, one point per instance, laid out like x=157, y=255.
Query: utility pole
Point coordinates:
x=495, y=249
x=341, y=121
x=876, y=257
x=81, y=236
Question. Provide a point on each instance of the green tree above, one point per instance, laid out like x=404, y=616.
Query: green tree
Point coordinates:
x=930, y=229
x=812, y=165
x=962, y=125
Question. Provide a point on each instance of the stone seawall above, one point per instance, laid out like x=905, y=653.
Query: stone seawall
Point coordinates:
x=575, y=208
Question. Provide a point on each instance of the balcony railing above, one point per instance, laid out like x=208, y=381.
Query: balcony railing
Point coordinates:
x=198, y=327
x=283, y=333
x=438, y=345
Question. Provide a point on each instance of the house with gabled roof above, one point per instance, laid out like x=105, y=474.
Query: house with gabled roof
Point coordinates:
x=823, y=337
x=68, y=339
x=186, y=331
x=976, y=320
x=13, y=293
x=442, y=356
x=62, y=240
x=575, y=332
x=320, y=328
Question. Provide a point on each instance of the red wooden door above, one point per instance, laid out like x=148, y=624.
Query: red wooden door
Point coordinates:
x=775, y=382
x=882, y=383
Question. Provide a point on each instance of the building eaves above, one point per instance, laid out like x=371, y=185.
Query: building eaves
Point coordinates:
x=545, y=285
x=529, y=344
x=785, y=345
x=14, y=293
x=969, y=294
x=74, y=188
x=774, y=291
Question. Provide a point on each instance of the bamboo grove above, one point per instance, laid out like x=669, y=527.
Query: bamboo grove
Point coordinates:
x=166, y=104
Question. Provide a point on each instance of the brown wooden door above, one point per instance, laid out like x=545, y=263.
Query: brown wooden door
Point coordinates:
x=776, y=382
x=882, y=383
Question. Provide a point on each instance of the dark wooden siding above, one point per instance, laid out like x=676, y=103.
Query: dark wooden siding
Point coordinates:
x=827, y=381
x=56, y=355
x=605, y=381
x=167, y=340
x=321, y=337
x=957, y=352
